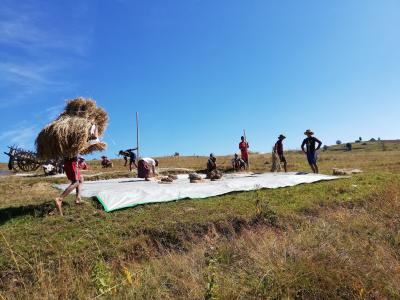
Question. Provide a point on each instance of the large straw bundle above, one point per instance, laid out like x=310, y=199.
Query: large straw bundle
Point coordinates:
x=69, y=134
x=276, y=163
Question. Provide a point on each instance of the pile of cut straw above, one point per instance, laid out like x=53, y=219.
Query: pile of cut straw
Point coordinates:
x=69, y=134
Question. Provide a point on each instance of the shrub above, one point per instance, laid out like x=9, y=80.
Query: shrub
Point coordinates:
x=338, y=142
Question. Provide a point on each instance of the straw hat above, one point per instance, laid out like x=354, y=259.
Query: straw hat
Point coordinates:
x=281, y=136
x=308, y=131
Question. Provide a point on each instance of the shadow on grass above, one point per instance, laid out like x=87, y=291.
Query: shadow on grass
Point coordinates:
x=35, y=210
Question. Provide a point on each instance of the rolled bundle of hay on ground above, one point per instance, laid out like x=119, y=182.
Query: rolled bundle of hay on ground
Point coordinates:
x=75, y=131
x=339, y=172
x=166, y=179
x=215, y=175
x=195, y=178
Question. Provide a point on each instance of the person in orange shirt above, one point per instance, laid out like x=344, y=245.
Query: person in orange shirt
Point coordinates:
x=243, y=146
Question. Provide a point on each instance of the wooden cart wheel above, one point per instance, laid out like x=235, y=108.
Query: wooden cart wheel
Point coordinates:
x=27, y=165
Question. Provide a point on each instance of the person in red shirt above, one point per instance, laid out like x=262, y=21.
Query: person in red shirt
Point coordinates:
x=243, y=146
x=73, y=173
x=106, y=163
x=82, y=164
x=278, y=149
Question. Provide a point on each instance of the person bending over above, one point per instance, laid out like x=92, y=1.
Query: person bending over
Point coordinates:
x=147, y=168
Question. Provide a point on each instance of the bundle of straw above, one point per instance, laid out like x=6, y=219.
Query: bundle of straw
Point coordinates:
x=69, y=134
x=276, y=163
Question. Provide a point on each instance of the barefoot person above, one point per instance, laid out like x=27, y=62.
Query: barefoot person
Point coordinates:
x=310, y=149
x=278, y=149
x=147, y=168
x=71, y=169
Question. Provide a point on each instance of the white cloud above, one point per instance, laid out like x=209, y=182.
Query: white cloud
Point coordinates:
x=53, y=112
x=22, y=136
x=35, y=52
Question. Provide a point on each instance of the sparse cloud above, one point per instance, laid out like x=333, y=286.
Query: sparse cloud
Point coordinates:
x=22, y=136
x=34, y=53
x=53, y=112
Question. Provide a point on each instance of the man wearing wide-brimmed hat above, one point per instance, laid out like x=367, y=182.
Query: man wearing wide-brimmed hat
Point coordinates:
x=310, y=149
x=278, y=149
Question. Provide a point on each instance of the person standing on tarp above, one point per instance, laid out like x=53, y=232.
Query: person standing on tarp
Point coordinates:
x=244, y=146
x=147, y=168
x=278, y=149
x=310, y=149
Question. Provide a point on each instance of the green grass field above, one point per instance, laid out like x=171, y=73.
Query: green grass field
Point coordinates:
x=329, y=240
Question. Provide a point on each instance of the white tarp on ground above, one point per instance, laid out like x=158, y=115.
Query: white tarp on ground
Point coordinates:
x=128, y=192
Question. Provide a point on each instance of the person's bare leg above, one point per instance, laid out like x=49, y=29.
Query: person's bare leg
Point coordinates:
x=285, y=166
x=312, y=168
x=58, y=201
x=316, y=169
x=78, y=191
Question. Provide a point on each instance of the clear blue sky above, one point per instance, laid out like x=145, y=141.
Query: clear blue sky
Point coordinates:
x=199, y=71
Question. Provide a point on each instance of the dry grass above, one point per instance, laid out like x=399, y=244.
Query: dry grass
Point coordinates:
x=329, y=240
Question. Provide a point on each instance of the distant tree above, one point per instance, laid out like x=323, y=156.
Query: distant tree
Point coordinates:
x=358, y=141
x=349, y=147
x=379, y=138
x=360, y=138
x=338, y=142
x=325, y=147
x=372, y=140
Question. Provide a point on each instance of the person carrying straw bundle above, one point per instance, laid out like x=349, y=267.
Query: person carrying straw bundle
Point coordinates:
x=278, y=151
x=76, y=131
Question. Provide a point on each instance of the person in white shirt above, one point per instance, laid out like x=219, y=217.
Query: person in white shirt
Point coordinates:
x=147, y=168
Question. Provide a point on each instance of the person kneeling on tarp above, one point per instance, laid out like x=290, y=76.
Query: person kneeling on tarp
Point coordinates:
x=238, y=164
x=147, y=168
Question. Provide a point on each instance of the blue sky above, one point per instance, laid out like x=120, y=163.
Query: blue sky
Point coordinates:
x=199, y=72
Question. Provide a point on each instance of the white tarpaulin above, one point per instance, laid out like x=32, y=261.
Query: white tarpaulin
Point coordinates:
x=128, y=192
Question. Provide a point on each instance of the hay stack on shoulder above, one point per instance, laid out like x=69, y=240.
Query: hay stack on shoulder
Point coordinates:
x=75, y=131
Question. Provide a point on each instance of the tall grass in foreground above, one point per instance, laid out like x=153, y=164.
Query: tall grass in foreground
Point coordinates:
x=345, y=250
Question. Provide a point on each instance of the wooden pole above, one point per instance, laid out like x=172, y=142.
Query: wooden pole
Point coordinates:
x=137, y=135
